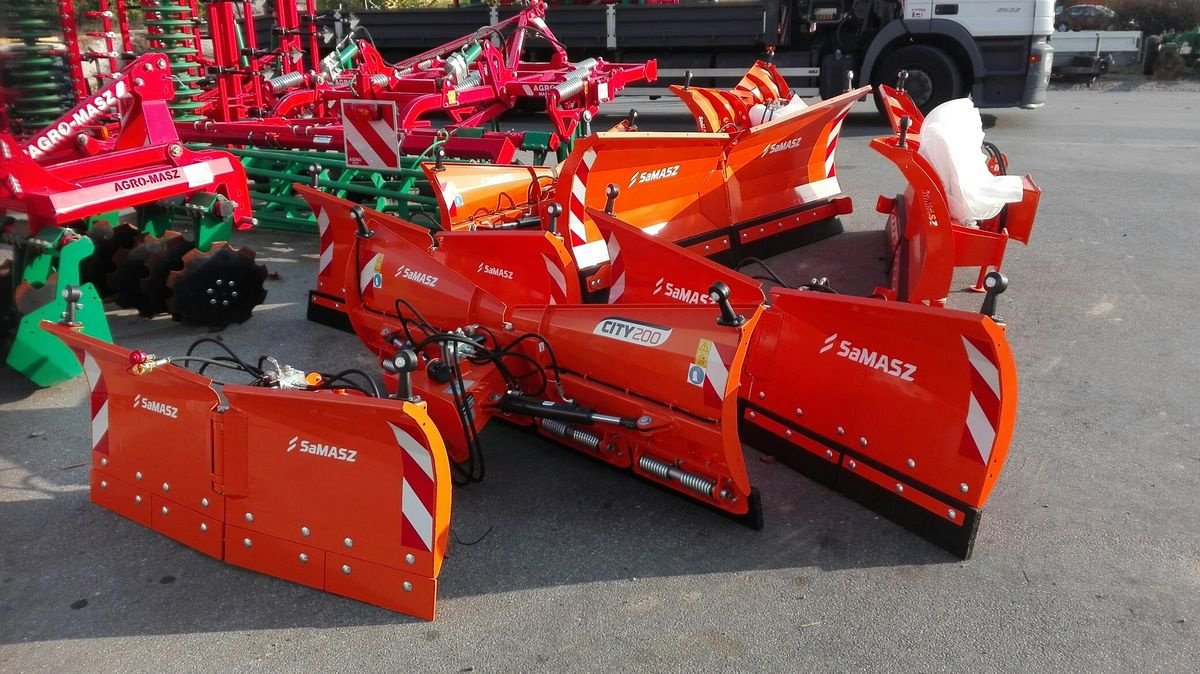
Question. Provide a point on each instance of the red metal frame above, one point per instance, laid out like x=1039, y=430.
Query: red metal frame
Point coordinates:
x=79, y=176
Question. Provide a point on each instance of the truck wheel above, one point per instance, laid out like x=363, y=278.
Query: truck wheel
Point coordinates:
x=933, y=78
x=1152, y=44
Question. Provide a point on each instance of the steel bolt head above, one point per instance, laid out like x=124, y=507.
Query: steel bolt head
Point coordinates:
x=799, y=412
x=247, y=542
x=952, y=514
x=137, y=499
x=137, y=475
x=249, y=517
x=303, y=558
x=304, y=532
x=762, y=395
x=410, y=558
x=166, y=487
x=852, y=464
x=174, y=149
x=829, y=454
x=103, y=484
x=911, y=463
x=841, y=431
x=899, y=488
x=204, y=503
x=348, y=542
x=862, y=442
x=963, y=487
x=407, y=586
x=103, y=461
x=164, y=510
x=346, y=569
x=787, y=433
x=203, y=527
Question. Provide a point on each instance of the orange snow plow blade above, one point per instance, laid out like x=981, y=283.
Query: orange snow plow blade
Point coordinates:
x=346, y=494
x=718, y=194
x=909, y=409
x=925, y=243
x=668, y=414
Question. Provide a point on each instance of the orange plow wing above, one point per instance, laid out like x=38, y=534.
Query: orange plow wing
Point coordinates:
x=346, y=494
x=909, y=409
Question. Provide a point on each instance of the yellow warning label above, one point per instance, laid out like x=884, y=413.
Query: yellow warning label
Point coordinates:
x=702, y=351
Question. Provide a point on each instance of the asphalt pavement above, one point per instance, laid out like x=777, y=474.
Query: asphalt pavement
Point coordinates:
x=1088, y=558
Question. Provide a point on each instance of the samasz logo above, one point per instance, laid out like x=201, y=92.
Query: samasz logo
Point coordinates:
x=322, y=449
x=485, y=268
x=781, y=146
x=640, y=177
x=634, y=332
x=876, y=360
x=143, y=403
x=677, y=292
x=405, y=271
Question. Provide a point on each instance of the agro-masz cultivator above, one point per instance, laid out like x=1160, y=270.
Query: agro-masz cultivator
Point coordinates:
x=71, y=181
x=906, y=407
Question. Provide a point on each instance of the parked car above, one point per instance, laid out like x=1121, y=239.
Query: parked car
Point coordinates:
x=1086, y=17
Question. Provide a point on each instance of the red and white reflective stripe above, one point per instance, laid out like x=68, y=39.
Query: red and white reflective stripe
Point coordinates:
x=368, y=272
x=618, y=270
x=326, y=242
x=758, y=83
x=716, y=375
x=560, y=282
x=983, y=404
x=578, y=199
x=99, y=399
x=450, y=198
x=831, y=144
x=587, y=253
x=374, y=143
x=418, y=492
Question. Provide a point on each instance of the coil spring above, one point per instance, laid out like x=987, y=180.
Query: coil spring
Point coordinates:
x=34, y=70
x=382, y=80
x=573, y=83
x=170, y=25
x=568, y=432
x=285, y=82
x=665, y=471
x=472, y=80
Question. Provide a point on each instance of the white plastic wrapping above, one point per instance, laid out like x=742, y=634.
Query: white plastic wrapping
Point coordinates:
x=952, y=141
x=760, y=113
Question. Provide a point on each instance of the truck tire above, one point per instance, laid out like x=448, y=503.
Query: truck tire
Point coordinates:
x=933, y=78
x=1152, y=44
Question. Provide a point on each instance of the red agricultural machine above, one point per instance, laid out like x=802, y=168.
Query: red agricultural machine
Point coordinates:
x=668, y=373
x=69, y=185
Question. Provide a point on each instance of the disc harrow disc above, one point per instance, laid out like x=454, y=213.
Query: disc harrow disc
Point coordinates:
x=112, y=244
x=139, y=281
x=216, y=288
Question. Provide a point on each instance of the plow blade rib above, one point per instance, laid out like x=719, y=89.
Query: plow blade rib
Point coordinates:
x=908, y=409
x=346, y=494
